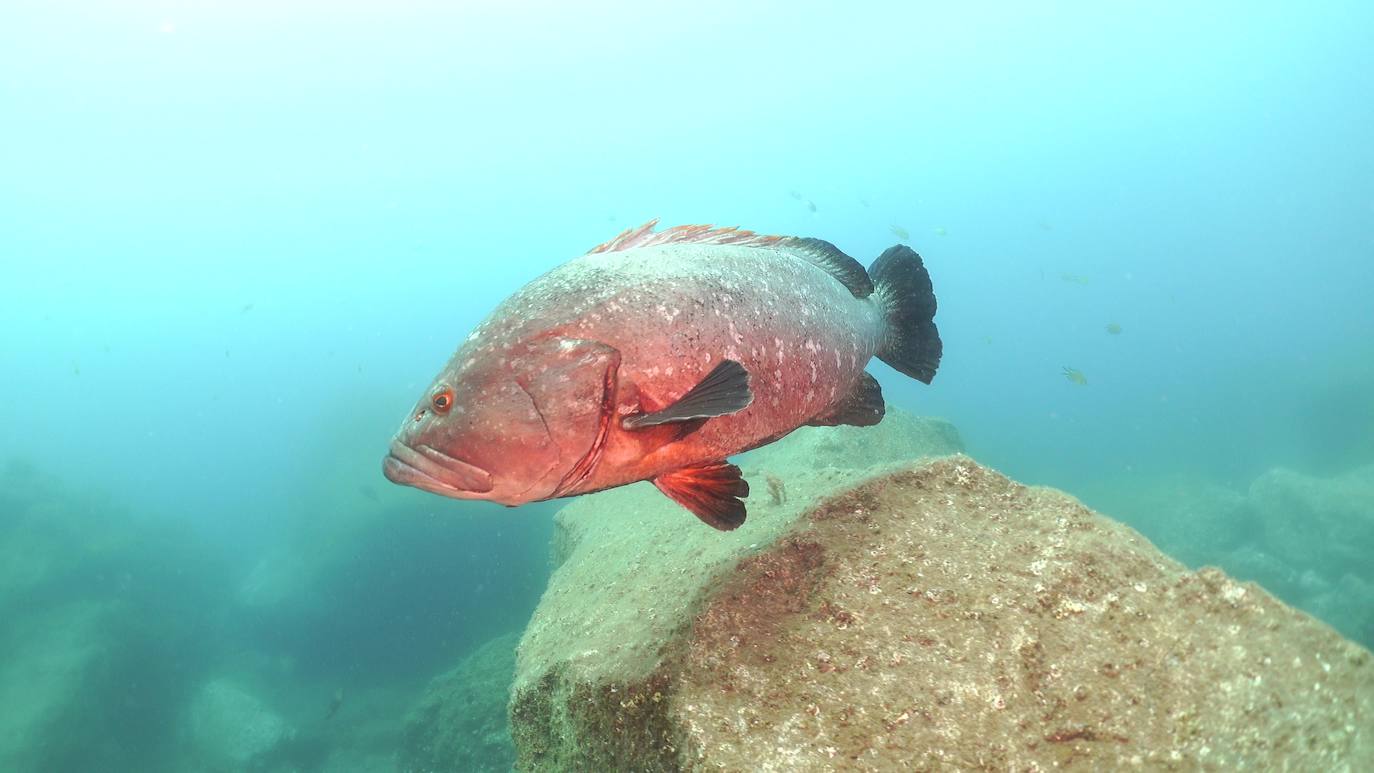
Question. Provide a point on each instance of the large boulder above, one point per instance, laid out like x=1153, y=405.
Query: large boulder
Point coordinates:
x=929, y=614
x=51, y=658
x=1324, y=523
x=1302, y=537
x=106, y=618
x=1190, y=518
x=460, y=723
x=232, y=729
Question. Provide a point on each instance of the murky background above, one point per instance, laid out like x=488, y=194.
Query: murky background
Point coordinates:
x=236, y=240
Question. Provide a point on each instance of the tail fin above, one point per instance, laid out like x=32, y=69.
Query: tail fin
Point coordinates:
x=902, y=289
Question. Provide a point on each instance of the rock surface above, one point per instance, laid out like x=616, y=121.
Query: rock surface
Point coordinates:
x=233, y=730
x=932, y=616
x=1311, y=521
x=460, y=723
x=1189, y=518
x=1302, y=537
x=106, y=616
x=50, y=659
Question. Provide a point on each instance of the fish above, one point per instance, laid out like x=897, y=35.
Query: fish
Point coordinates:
x=900, y=233
x=811, y=205
x=658, y=355
x=1075, y=375
x=1113, y=328
x=1077, y=279
x=940, y=231
x=335, y=703
x=777, y=490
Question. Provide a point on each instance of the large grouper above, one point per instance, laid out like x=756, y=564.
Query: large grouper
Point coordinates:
x=655, y=357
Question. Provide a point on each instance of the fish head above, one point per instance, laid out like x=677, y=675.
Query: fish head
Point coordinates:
x=509, y=426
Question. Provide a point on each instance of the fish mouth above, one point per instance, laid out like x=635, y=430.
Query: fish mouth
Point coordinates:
x=432, y=470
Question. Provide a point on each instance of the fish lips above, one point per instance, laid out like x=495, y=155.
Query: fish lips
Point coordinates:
x=432, y=470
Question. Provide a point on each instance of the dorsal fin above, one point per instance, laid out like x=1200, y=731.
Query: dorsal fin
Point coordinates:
x=817, y=252
x=832, y=261
x=646, y=236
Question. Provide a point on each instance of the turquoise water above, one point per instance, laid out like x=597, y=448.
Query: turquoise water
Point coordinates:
x=238, y=239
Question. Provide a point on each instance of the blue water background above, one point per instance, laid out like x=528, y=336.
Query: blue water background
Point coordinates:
x=237, y=239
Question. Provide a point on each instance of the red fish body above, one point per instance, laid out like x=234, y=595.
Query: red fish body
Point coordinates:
x=657, y=356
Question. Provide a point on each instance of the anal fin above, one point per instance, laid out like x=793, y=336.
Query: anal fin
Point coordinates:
x=713, y=492
x=862, y=407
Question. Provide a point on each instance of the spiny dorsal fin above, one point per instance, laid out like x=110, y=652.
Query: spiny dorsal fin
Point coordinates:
x=646, y=236
x=862, y=407
x=817, y=252
x=714, y=493
x=723, y=391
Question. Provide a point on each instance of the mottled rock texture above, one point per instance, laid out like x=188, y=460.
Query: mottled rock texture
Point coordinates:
x=1304, y=538
x=1312, y=521
x=232, y=729
x=928, y=617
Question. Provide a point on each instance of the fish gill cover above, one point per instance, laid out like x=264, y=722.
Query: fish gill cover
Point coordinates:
x=237, y=243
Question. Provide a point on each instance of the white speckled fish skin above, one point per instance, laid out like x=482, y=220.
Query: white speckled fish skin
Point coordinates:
x=673, y=312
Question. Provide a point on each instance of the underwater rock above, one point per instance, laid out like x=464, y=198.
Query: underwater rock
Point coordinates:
x=1192, y=520
x=939, y=615
x=1317, y=522
x=900, y=438
x=460, y=723
x=107, y=619
x=231, y=729
x=1297, y=535
x=1347, y=600
x=51, y=658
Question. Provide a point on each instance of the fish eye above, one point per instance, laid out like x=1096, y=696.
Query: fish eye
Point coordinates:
x=442, y=401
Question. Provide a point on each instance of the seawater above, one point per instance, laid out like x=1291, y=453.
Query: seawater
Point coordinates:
x=237, y=240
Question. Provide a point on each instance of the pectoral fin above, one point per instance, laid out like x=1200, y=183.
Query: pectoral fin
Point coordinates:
x=713, y=492
x=862, y=407
x=723, y=391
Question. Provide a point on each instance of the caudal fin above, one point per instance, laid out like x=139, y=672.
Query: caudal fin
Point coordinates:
x=902, y=288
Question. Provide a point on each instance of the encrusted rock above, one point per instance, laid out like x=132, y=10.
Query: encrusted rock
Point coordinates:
x=232, y=729
x=936, y=616
x=1317, y=522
